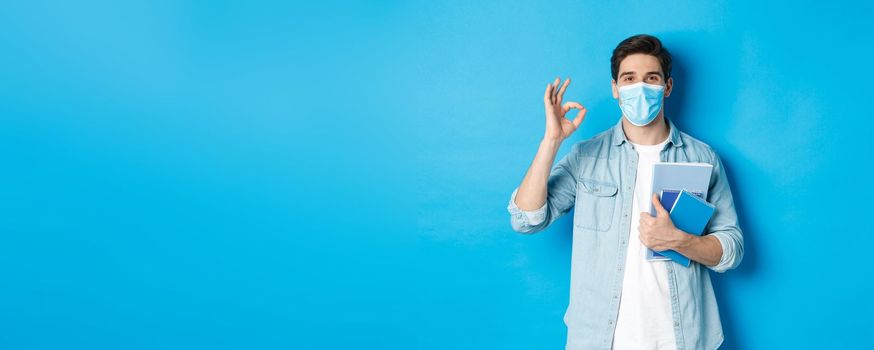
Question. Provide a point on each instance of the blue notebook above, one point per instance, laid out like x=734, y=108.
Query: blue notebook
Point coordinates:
x=667, y=198
x=690, y=214
x=669, y=178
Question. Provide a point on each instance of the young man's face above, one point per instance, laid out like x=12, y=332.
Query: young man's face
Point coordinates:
x=641, y=67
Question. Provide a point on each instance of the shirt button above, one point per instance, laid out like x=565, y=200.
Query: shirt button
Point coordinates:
x=610, y=322
x=676, y=323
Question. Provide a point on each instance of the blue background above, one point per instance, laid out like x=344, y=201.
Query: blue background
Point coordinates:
x=223, y=174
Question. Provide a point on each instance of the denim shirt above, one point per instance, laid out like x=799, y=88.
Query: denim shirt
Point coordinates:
x=597, y=177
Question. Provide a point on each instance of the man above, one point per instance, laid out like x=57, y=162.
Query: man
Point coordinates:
x=619, y=299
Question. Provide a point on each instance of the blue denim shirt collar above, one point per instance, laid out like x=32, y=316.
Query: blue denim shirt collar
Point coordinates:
x=674, y=136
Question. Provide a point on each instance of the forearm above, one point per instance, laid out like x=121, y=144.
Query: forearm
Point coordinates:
x=532, y=192
x=703, y=249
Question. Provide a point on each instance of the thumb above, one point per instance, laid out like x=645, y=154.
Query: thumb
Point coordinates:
x=657, y=204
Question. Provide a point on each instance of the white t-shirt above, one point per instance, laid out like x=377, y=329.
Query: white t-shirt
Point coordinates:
x=645, y=320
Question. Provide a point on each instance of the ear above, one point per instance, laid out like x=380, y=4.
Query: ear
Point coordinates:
x=615, y=89
x=669, y=85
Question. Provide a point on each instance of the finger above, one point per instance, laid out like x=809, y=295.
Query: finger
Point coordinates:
x=563, y=88
x=571, y=104
x=645, y=225
x=555, y=89
x=579, y=119
x=658, y=205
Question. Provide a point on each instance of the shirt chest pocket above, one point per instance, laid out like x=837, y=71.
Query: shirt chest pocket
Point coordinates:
x=595, y=203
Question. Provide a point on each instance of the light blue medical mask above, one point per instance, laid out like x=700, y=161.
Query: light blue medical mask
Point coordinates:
x=641, y=102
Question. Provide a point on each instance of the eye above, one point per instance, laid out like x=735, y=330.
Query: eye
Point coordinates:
x=628, y=78
x=653, y=78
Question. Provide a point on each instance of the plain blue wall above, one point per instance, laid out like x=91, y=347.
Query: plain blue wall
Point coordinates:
x=328, y=176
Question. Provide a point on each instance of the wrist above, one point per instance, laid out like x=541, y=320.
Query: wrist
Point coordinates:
x=551, y=142
x=686, y=240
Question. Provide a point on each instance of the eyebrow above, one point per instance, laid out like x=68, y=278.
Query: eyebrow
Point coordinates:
x=647, y=73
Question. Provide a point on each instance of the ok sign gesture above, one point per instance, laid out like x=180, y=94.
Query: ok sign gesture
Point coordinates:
x=558, y=127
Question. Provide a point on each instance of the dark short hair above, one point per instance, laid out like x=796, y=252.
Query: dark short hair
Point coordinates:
x=645, y=44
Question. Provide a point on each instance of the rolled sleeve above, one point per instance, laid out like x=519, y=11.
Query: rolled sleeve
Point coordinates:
x=560, y=197
x=531, y=217
x=730, y=257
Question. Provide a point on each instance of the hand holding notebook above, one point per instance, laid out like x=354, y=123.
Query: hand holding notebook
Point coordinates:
x=669, y=178
x=690, y=214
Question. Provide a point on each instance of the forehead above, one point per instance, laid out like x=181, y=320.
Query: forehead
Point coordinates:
x=640, y=64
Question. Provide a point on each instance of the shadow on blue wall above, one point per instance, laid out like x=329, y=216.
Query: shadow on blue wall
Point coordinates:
x=683, y=83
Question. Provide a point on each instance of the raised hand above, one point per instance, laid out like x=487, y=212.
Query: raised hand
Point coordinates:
x=558, y=127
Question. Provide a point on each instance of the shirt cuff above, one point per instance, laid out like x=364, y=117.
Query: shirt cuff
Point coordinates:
x=534, y=217
x=727, y=252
